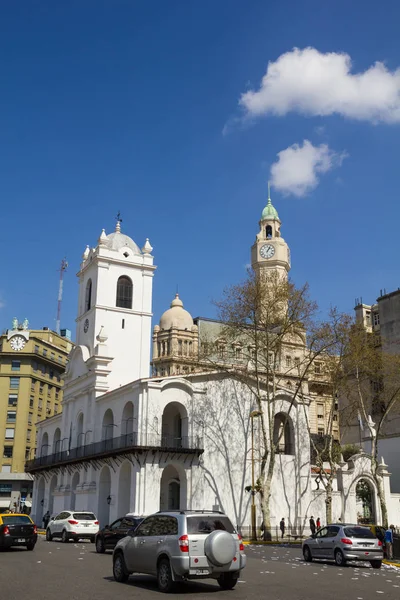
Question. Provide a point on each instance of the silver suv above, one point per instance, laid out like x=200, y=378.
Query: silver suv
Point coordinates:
x=341, y=543
x=179, y=545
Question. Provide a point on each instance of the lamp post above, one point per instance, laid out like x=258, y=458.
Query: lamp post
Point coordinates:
x=253, y=414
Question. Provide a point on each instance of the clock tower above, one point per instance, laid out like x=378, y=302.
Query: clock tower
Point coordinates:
x=270, y=252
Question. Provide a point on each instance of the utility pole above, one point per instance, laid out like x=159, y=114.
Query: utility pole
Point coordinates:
x=63, y=268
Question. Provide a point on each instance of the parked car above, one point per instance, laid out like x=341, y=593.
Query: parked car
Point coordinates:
x=72, y=525
x=17, y=530
x=179, y=545
x=342, y=543
x=108, y=537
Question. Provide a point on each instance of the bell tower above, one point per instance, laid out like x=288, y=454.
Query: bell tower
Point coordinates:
x=270, y=252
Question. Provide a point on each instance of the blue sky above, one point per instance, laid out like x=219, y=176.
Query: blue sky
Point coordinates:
x=135, y=106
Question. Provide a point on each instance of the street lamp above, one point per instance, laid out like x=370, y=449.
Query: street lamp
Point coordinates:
x=253, y=415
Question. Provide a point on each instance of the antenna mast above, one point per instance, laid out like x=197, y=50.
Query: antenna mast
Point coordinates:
x=63, y=268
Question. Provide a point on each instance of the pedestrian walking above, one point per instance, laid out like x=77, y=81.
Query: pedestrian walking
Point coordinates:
x=389, y=542
x=282, y=527
x=318, y=523
x=46, y=520
x=312, y=525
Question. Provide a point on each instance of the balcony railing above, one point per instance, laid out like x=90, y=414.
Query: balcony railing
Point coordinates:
x=116, y=445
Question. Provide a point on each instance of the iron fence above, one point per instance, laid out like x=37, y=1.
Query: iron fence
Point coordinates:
x=114, y=445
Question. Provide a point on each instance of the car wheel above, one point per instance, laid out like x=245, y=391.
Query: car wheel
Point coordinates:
x=307, y=554
x=164, y=576
x=376, y=564
x=64, y=537
x=119, y=568
x=100, y=549
x=339, y=558
x=49, y=537
x=30, y=546
x=227, y=581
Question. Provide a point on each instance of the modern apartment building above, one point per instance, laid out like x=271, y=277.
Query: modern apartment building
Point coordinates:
x=31, y=366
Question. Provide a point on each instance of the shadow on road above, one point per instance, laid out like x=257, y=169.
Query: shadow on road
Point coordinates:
x=183, y=587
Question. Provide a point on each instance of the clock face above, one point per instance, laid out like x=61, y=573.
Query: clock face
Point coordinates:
x=17, y=342
x=267, y=251
x=86, y=325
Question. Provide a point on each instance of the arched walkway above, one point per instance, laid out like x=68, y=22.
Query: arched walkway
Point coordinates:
x=173, y=489
x=52, y=487
x=283, y=434
x=74, y=484
x=174, y=428
x=124, y=489
x=103, y=512
x=365, y=502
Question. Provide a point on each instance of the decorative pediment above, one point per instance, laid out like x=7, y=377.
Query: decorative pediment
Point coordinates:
x=77, y=363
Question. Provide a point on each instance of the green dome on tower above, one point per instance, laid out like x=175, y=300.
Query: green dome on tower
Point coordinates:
x=269, y=211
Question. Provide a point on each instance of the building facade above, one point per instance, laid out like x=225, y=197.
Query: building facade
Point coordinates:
x=32, y=363
x=180, y=438
x=381, y=320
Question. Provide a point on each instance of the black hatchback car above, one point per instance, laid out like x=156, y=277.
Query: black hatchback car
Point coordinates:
x=108, y=537
x=17, y=530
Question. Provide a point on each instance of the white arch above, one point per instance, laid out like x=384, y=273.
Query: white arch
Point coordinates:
x=124, y=488
x=104, y=497
x=128, y=419
x=79, y=430
x=44, y=446
x=174, y=428
x=74, y=485
x=108, y=425
x=57, y=441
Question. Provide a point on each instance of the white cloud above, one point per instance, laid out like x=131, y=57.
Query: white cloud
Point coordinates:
x=297, y=168
x=312, y=83
x=2, y=303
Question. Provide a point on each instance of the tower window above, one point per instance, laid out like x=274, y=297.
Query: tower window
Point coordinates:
x=123, y=323
x=124, y=292
x=88, y=295
x=268, y=232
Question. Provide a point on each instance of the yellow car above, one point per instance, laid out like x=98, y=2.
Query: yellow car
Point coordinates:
x=17, y=530
x=378, y=532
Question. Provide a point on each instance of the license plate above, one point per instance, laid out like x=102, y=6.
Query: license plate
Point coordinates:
x=21, y=540
x=86, y=524
x=202, y=571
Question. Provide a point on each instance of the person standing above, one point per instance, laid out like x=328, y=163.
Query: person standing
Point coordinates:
x=318, y=523
x=282, y=527
x=389, y=542
x=312, y=525
x=46, y=520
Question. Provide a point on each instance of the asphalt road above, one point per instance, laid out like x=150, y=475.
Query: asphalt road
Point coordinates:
x=75, y=572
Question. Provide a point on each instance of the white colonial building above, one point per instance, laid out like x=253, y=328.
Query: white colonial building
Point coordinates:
x=130, y=442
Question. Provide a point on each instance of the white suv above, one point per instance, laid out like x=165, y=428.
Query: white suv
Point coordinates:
x=72, y=525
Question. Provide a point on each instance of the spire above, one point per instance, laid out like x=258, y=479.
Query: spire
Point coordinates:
x=119, y=221
x=147, y=248
x=102, y=241
x=269, y=211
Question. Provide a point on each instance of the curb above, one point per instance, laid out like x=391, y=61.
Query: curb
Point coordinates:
x=263, y=543
x=391, y=563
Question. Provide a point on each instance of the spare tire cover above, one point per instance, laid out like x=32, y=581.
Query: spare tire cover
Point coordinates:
x=220, y=548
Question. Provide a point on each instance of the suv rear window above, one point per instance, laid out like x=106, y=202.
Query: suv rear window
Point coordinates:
x=207, y=524
x=84, y=517
x=358, y=532
x=16, y=520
